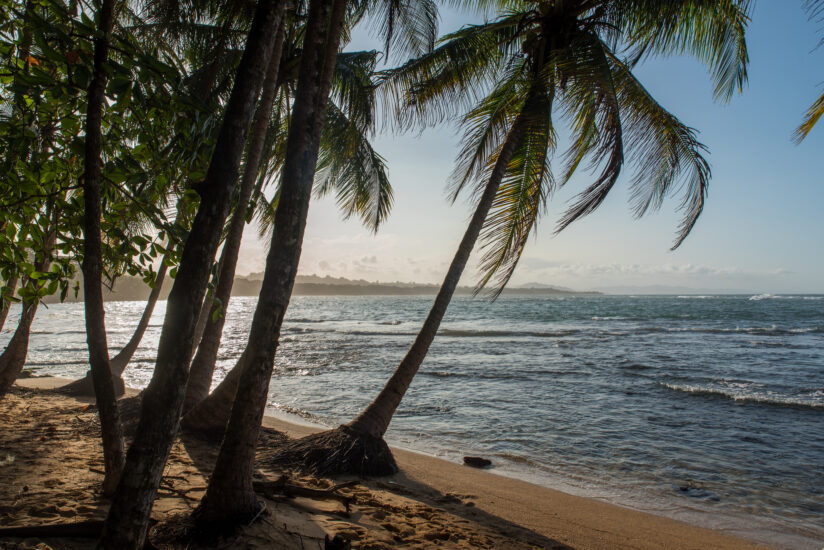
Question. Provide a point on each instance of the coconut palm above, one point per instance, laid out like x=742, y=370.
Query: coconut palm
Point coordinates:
x=815, y=10
x=543, y=61
x=348, y=166
x=229, y=497
x=128, y=516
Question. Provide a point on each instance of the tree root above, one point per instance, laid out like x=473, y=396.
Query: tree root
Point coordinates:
x=341, y=451
x=281, y=486
x=83, y=387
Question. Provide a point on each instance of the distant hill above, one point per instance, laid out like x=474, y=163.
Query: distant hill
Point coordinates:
x=133, y=288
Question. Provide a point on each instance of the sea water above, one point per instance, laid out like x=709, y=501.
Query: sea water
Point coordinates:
x=705, y=408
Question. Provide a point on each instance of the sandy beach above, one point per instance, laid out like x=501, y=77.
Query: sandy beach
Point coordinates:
x=51, y=466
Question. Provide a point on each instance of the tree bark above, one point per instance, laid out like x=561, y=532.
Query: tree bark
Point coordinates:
x=203, y=365
x=230, y=496
x=104, y=388
x=375, y=419
x=128, y=517
x=5, y=306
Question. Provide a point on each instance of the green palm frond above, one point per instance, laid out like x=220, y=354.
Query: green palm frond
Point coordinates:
x=522, y=195
x=810, y=119
x=350, y=167
x=453, y=78
x=664, y=152
x=815, y=12
x=712, y=31
x=590, y=84
x=407, y=27
x=486, y=126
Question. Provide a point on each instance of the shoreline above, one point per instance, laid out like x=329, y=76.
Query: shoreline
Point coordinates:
x=549, y=514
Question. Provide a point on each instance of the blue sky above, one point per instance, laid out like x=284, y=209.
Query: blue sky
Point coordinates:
x=761, y=230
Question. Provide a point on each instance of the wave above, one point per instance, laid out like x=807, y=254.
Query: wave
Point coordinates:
x=766, y=398
x=695, y=297
x=758, y=297
x=500, y=333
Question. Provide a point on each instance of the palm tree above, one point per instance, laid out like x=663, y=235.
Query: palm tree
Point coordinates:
x=128, y=516
x=230, y=497
x=815, y=10
x=347, y=166
x=203, y=364
x=538, y=59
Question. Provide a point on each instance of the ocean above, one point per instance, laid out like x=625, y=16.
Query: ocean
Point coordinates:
x=704, y=408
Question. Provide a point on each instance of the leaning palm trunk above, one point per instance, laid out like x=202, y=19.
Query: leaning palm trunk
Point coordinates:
x=230, y=497
x=104, y=387
x=119, y=362
x=128, y=517
x=203, y=365
x=358, y=447
x=8, y=290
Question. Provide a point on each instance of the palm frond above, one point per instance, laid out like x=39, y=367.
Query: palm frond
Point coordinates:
x=664, y=152
x=713, y=31
x=349, y=166
x=522, y=195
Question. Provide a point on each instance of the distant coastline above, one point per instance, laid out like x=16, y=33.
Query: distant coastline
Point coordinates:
x=133, y=288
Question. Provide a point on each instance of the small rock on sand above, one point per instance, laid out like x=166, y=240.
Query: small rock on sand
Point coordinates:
x=477, y=461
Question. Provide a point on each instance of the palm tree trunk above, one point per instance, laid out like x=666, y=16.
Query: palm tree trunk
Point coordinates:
x=8, y=292
x=210, y=415
x=104, y=388
x=125, y=526
x=120, y=361
x=375, y=419
x=203, y=365
x=230, y=496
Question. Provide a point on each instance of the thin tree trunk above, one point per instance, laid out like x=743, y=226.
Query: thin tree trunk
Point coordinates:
x=212, y=413
x=128, y=517
x=120, y=361
x=104, y=388
x=13, y=357
x=203, y=365
x=8, y=294
x=230, y=496
x=375, y=419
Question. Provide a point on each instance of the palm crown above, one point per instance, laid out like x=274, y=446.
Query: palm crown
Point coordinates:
x=510, y=80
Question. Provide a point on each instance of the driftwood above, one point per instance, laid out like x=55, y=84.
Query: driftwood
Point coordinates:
x=281, y=486
x=80, y=529
x=89, y=529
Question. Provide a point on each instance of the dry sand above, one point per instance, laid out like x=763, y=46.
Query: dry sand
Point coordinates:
x=51, y=467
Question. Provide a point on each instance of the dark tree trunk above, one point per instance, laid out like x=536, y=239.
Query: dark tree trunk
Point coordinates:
x=211, y=414
x=230, y=497
x=358, y=447
x=13, y=357
x=128, y=517
x=5, y=306
x=104, y=388
x=203, y=365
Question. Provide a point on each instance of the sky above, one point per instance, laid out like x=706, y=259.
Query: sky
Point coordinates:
x=761, y=230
